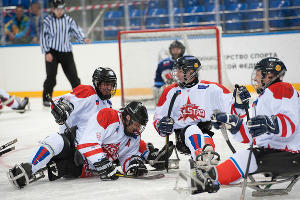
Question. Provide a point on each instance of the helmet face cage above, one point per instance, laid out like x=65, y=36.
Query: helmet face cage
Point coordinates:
x=176, y=44
x=267, y=66
x=138, y=113
x=186, y=63
x=107, y=75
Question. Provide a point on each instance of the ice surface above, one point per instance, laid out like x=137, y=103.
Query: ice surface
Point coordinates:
x=33, y=126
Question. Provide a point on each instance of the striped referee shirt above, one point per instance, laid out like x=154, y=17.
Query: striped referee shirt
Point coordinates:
x=56, y=33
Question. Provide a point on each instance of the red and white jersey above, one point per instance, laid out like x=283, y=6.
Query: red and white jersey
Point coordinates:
x=282, y=100
x=193, y=105
x=86, y=102
x=104, y=137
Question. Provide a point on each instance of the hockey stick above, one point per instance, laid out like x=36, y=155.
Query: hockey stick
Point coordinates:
x=167, y=137
x=144, y=177
x=8, y=144
x=7, y=150
x=244, y=185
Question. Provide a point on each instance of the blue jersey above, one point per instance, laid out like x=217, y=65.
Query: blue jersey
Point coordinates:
x=165, y=64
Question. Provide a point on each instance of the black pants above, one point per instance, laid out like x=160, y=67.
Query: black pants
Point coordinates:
x=68, y=65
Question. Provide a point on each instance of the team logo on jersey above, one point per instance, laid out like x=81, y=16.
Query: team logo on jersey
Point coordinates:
x=166, y=63
x=191, y=110
x=203, y=87
x=97, y=102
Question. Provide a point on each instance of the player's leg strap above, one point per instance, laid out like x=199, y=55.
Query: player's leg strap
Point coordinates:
x=206, y=127
x=277, y=163
x=180, y=141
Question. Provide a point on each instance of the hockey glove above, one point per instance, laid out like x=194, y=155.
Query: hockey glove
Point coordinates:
x=241, y=97
x=136, y=166
x=232, y=122
x=165, y=126
x=263, y=124
x=62, y=110
x=107, y=171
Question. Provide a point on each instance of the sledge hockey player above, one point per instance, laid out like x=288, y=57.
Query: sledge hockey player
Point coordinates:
x=15, y=103
x=109, y=135
x=163, y=76
x=273, y=128
x=190, y=112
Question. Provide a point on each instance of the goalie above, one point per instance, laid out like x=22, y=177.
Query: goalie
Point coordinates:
x=274, y=129
x=163, y=76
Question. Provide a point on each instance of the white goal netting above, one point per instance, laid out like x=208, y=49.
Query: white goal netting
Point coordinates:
x=140, y=52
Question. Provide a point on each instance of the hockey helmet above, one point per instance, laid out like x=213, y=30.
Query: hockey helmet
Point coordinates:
x=186, y=64
x=269, y=65
x=176, y=44
x=58, y=3
x=138, y=113
x=102, y=74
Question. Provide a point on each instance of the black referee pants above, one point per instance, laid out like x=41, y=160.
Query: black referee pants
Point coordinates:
x=68, y=65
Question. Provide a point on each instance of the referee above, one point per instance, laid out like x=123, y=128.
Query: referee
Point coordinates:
x=55, y=40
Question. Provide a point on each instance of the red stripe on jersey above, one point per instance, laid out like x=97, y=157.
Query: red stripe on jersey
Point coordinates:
x=225, y=90
x=82, y=146
x=107, y=116
x=283, y=124
x=163, y=96
x=83, y=91
x=155, y=124
x=243, y=134
x=196, y=141
x=209, y=140
x=233, y=111
x=227, y=172
x=281, y=90
x=291, y=123
x=93, y=152
x=143, y=146
x=9, y=104
x=125, y=164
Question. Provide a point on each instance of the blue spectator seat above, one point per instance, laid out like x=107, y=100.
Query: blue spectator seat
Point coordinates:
x=5, y=2
x=252, y=16
x=177, y=17
x=277, y=16
x=211, y=18
x=25, y=3
x=112, y=19
x=191, y=3
x=295, y=13
x=153, y=4
x=135, y=18
x=153, y=19
x=194, y=19
x=233, y=19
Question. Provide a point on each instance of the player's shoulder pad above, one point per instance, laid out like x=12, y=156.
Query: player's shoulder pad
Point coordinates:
x=107, y=116
x=225, y=90
x=164, y=94
x=281, y=90
x=83, y=91
x=165, y=62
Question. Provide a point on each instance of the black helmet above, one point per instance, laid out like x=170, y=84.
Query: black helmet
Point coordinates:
x=187, y=63
x=138, y=113
x=177, y=44
x=58, y=3
x=268, y=65
x=102, y=74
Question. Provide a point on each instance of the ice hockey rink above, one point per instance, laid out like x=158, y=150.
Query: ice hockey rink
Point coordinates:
x=36, y=124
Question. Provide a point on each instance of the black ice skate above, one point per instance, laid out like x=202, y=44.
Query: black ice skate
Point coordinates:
x=20, y=175
x=22, y=105
x=157, y=158
x=200, y=181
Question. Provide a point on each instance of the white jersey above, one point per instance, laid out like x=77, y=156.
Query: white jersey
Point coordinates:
x=105, y=137
x=86, y=102
x=193, y=105
x=282, y=100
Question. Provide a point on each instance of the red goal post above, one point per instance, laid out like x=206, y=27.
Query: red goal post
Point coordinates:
x=138, y=51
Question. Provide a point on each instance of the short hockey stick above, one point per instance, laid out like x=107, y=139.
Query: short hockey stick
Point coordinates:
x=7, y=150
x=8, y=144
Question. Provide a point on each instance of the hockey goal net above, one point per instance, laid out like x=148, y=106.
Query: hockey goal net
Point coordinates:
x=140, y=51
